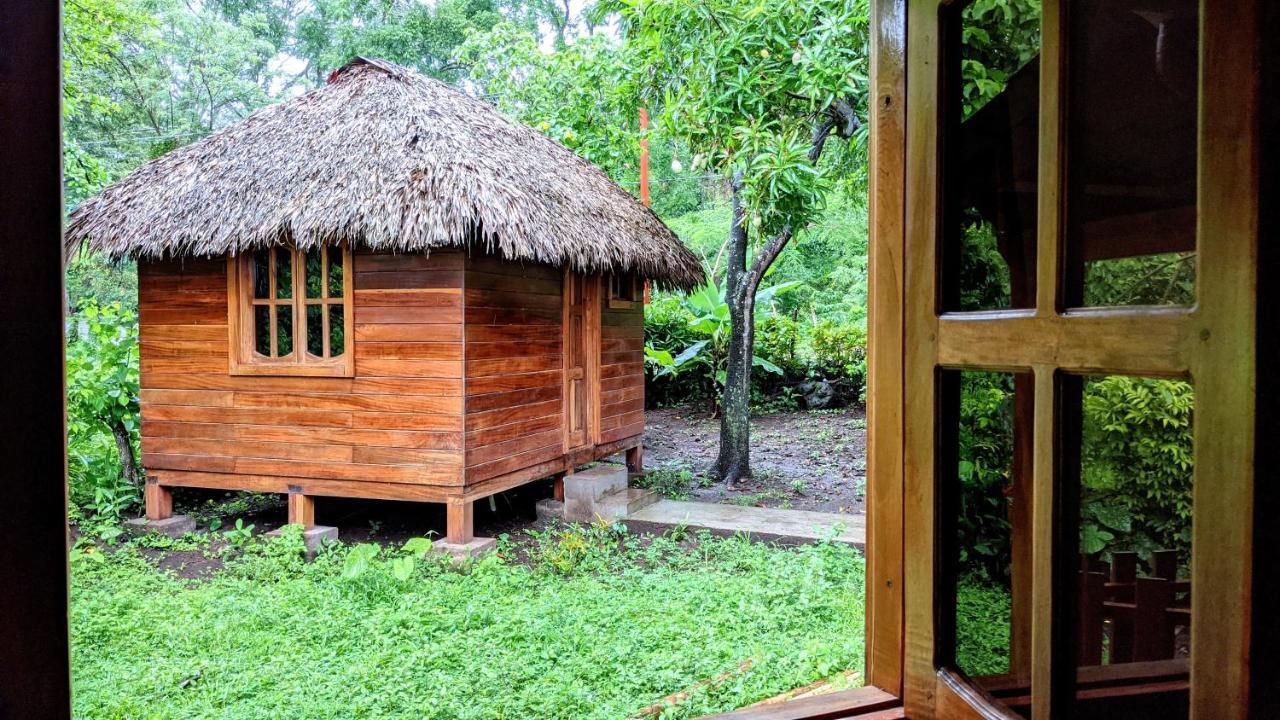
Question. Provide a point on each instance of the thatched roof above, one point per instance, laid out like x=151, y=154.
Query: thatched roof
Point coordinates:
x=385, y=158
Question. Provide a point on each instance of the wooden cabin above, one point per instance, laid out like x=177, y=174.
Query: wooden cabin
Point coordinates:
x=383, y=289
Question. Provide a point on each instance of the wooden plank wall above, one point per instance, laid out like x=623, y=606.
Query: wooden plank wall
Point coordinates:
x=514, y=377
x=621, y=372
x=398, y=421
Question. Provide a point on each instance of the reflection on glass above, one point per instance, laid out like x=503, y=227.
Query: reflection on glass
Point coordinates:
x=262, y=329
x=1132, y=598
x=335, y=273
x=1131, y=152
x=993, y=84
x=315, y=330
x=315, y=273
x=284, y=330
x=284, y=273
x=988, y=555
x=261, y=274
x=337, y=332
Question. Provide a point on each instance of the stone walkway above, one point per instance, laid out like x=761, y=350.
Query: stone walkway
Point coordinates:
x=786, y=526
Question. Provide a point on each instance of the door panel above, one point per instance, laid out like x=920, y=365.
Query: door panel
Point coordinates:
x=578, y=392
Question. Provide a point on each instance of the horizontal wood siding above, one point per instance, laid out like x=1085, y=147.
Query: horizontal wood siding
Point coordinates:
x=397, y=422
x=513, y=368
x=621, y=373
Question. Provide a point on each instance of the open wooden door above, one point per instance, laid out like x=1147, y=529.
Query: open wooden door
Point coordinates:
x=581, y=322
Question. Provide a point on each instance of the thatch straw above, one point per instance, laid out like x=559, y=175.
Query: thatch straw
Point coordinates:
x=385, y=158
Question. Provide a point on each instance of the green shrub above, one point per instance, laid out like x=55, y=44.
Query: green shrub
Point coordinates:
x=102, y=409
x=1137, y=464
x=840, y=353
x=985, y=459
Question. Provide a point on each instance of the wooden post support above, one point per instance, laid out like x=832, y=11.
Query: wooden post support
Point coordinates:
x=557, y=487
x=460, y=528
x=302, y=510
x=158, y=500
x=635, y=459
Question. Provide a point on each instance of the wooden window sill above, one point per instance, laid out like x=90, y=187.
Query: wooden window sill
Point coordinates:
x=269, y=369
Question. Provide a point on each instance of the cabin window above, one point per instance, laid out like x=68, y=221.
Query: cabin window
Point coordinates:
x=625, y=289
x=291, y=312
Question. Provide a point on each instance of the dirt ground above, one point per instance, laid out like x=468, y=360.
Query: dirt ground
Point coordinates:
x=801, y=460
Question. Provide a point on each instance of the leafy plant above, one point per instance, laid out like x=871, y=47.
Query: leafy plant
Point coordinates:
x=1137, y=463
x=671, y=481
x=985, y=460
x=239, y=535
x=710, y=322
x=102, y=409
x=840, y=351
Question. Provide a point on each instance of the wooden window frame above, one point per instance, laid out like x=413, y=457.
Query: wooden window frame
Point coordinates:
x=618, y=282
x=244, y=360
x=1213, y=343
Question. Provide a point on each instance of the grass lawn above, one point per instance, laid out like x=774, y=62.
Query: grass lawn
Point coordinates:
x=568, y=623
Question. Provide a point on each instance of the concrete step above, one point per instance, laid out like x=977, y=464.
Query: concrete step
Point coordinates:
x=619, y=504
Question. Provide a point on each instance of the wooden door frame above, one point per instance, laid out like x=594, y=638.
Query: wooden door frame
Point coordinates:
x=1213, y=343
x=591, y=294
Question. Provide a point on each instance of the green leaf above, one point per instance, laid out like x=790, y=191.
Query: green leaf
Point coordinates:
x=418, y=546
x=402, y=568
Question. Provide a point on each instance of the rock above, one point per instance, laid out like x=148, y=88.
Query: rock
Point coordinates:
x=819, y=394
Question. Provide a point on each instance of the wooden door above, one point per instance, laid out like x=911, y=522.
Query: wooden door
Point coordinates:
x=578, y=390
x=1105, y=181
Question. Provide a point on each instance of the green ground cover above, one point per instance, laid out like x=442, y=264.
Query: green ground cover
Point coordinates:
x=583, y=623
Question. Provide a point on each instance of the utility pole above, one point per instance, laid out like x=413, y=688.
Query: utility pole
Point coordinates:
x=644, y=173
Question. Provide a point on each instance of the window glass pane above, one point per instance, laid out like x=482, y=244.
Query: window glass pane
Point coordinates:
x=284, y=273
x=261, y=274
x=337, y=332
x=284, y=330
x=335, y=272
x=986, y=539
x=992, y=82
x=262, y=329
x=1131, y=129
x=315, y=273
x=1133, y=522
x=315, y=330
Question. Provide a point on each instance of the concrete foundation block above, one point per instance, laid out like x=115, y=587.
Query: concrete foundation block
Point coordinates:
x=314, y=537
x=549, y=509
x=582, y=491
x=477, y=548
x=174, y=526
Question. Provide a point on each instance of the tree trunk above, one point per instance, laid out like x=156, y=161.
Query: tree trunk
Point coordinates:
x=734, y=463
x=124, y=446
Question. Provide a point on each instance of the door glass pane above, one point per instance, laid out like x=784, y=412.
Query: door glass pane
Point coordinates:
x=315, y=330
x=262, y=329
x=1132, y=512
x=992, y=85
x=1131, y=152
x=335, y=272
x=261, y=270
x=284, y=330
x=315, y=272
x=284, y=273
x=986, y=533
x=337, y=332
